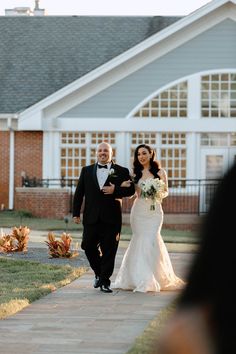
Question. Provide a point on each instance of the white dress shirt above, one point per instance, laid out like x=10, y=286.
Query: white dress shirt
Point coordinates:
x=102, y=174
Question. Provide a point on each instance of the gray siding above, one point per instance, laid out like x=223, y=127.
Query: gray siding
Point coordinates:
x=214, y=49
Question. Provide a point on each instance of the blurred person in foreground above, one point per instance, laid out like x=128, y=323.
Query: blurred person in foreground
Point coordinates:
x=204, y=321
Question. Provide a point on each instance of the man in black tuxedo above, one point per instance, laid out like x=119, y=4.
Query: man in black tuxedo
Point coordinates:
x=100, y=184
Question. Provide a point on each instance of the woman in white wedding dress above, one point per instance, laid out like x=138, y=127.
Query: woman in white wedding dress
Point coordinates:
x=146, y=265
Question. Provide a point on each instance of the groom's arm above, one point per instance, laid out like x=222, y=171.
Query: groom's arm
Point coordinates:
x=79, y=195
x=121, y=192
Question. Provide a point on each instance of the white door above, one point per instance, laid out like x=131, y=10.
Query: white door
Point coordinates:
x=214, y=163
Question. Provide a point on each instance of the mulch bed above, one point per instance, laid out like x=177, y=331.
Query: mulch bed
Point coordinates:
x=41, y=255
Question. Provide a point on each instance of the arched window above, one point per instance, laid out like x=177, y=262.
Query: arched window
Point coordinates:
x=218, y=95
x=170, y=103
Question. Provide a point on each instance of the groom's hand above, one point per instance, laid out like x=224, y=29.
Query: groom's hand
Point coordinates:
x=76, y=219
x=108, y=189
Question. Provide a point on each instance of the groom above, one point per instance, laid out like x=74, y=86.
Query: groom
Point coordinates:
x=100, y=184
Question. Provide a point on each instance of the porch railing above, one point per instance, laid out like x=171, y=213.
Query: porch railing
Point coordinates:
x=189, y=196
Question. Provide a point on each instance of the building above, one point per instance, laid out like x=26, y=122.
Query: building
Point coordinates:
x=68, y=83
x=25, y=11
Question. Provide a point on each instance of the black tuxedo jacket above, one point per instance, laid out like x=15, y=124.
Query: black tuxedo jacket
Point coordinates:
x=97, y=205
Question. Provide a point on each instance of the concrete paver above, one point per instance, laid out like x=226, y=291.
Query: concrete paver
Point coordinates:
x=80, y=319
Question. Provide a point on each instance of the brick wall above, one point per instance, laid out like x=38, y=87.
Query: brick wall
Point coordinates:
x=43, y=202
x=173, y=204
x=28, y=158
x=28, y=155
x=55, y=203
x=4, y=167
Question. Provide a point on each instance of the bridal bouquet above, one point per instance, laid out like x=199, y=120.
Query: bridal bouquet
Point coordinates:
x=154, y=189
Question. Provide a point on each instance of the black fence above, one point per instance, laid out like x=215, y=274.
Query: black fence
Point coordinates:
x=190, y=196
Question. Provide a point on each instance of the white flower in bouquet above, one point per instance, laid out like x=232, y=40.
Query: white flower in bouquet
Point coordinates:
x=154, y=189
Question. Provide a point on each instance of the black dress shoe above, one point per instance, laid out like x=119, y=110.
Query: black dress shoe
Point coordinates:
x=96, y=283
x=105, y=289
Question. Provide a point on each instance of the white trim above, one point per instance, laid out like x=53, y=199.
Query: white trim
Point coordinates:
x=8, y=115
x=156, y=49
x=11, y=169
x=148, y=125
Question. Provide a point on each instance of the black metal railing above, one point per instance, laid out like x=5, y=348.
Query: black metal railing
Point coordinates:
x=189, y=196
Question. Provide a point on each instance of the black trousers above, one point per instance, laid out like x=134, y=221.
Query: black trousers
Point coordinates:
x=100, y=243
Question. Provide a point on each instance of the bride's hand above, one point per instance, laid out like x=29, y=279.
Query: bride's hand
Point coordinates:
x=126, y=183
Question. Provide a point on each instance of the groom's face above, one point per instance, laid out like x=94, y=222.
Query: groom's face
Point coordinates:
x=104, y=153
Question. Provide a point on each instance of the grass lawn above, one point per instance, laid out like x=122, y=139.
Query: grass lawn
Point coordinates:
x=9, y=219
x=23, y=282
x=146, y=343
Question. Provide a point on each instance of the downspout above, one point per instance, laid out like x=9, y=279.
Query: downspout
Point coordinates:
x=11, y=165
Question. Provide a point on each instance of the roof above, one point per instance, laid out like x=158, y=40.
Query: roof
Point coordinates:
x=40, y=55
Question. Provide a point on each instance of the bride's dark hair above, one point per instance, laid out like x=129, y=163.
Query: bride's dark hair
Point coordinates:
x=137, y=167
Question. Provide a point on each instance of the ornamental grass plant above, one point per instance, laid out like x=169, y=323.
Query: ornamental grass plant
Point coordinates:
x=62, y=247
x=16, y=241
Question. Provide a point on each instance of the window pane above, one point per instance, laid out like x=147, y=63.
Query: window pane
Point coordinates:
x=75, y=152
x=217, y=95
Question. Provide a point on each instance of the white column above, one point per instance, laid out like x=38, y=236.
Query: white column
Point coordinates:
x=11, y=169
x=121, y=149
x=51, y=154
x=194, y=113
x=127, y=150
x=194, y=97
x=192, y=156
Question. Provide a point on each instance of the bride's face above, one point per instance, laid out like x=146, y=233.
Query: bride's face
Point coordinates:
x=144, y=156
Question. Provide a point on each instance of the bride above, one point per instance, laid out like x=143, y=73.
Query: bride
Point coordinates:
x=146, y=265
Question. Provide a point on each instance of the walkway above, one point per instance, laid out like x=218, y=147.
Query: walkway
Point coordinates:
x=80, y=319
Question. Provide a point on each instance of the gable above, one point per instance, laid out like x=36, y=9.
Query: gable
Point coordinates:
x=210, y=50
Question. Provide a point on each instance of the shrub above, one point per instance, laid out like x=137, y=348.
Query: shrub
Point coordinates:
x=17, y=241
x=24, y=213
x=60, y=248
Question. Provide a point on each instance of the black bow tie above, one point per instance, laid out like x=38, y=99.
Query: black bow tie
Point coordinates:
x=102, y=166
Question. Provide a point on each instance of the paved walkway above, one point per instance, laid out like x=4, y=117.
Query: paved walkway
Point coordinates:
x=80, y=319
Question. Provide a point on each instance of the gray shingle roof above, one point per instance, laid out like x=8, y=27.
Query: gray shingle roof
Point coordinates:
x=40, y=55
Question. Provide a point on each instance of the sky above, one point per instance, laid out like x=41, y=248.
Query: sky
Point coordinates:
x=109, y=7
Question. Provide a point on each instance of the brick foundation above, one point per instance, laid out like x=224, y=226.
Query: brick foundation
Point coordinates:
x=174, y=204
x=43, y=202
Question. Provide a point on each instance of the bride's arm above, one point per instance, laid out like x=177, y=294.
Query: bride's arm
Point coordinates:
x=163, y=176
x=128, y=183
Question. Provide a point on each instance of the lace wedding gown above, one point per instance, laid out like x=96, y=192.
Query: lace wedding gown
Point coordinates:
x=146, y=265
